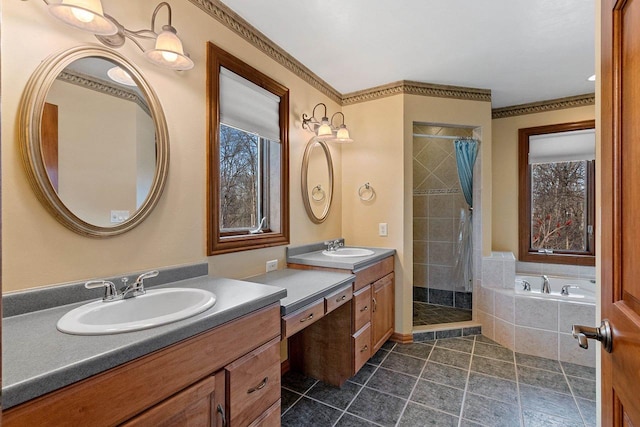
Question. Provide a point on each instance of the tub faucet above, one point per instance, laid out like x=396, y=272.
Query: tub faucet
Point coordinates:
x=526, y=286
x=546, y=289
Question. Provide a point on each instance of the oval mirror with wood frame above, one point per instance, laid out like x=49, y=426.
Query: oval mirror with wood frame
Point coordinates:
x=317, y=180
x=94, y=141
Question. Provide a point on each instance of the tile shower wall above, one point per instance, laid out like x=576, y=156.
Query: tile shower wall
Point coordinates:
x=437, y=201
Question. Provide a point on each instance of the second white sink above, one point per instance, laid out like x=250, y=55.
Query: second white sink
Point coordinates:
x=348, y=252
x=156, y=307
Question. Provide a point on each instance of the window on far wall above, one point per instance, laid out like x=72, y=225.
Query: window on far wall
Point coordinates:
x=557, y=193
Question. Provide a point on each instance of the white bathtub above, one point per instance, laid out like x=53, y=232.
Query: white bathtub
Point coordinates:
x=585, y=291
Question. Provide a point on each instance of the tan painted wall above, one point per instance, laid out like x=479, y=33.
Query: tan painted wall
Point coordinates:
x=505, y=174
x=38, y=251
x=382, y=156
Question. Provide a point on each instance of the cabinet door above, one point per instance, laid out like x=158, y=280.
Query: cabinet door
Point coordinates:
x=193, y=407
x=382, y=316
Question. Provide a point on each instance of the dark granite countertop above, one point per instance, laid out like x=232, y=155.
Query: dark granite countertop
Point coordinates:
x=312, y=255
x=303, y=286
x=37, y=358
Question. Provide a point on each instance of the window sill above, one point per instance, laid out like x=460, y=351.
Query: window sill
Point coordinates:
x=568, y=259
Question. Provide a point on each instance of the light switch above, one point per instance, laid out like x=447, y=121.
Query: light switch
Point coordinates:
x=382, y=229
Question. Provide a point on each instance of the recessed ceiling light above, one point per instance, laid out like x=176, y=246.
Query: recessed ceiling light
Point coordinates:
x=119, y=75
x=592, y=78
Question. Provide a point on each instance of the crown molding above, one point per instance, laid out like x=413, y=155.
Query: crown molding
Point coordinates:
x=543, y=106
x=225, y=15
x=102, y=86
x=417, y=88
x=237, y=24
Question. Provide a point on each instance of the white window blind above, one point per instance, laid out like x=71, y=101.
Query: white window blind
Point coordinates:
x=247, y=106
x=562, y=147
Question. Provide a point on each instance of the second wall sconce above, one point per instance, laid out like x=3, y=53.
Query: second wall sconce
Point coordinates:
x=88, y=15
x=324, y=129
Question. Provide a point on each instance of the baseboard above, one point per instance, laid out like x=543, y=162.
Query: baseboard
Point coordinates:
x=284, y=367
x=402, y=338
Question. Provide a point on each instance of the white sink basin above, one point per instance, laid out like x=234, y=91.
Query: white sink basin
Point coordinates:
x=156, y=307
x=348, y=252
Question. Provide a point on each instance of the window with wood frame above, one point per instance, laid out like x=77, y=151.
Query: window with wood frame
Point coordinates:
x=557, y=193
x=248, y=156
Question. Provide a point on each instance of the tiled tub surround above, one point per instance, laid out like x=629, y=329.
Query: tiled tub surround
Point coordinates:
x=470, y=381
x=536, y=325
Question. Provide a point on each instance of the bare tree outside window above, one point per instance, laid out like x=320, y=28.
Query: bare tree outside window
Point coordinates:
x=559, y=206
x=239, y=178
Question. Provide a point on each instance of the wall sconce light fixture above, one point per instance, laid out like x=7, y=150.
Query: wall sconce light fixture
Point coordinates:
x=88, y=15
x=324, y=128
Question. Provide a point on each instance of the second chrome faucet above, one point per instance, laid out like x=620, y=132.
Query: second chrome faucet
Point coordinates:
x=111, y=293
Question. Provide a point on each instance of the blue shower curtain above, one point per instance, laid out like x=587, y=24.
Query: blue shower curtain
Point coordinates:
x=466, y=152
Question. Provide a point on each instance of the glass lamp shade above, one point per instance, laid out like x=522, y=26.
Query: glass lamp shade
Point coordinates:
x=343, y=135
x=119, y=75
x=84, y=14
x=168, y=51
x=324, y=131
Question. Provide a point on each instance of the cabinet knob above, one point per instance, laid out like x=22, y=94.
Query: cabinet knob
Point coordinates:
x=304, y=319
x=344, y=297
x=363, y=349
x=365, y=308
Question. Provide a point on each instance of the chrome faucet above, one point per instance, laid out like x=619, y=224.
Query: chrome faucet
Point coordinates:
x=546, y=289
x=137, y=287
x=111, y=292
x=526, y=286
x=565, y=289
x=333, y=245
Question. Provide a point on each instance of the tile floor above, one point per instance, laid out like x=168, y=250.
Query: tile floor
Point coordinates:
x=431, y=314
x=464, y=382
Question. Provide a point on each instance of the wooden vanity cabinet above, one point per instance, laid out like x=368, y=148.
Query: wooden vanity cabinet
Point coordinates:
x=231, y=371
x=335, y=347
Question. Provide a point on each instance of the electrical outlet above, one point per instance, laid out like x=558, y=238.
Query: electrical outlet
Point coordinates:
x=382, y=229
x=272, y=265
x=119, y=216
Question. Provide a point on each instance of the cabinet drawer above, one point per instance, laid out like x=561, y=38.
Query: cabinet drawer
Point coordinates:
x=253, y=383
x=302, y=318
x=269, y=418
x=373, y=272
x=361, y=347
x=338, y=298
x=361, y=308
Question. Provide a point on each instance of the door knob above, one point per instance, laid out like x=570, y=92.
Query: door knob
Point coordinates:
x=602, y=334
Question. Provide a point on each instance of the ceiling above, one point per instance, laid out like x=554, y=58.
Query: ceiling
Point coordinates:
x=523, y=50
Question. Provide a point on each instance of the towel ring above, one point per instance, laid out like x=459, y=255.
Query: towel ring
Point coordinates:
x=366, y=192
x=318, y=194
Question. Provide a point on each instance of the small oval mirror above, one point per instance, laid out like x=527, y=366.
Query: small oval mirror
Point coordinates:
x=95, y=141
x=317, y=180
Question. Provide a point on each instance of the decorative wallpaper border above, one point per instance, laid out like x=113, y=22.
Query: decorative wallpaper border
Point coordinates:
x=99, y=85
x=417, y=88
x=540, y=107
x=233, y=21
x=436, y=191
